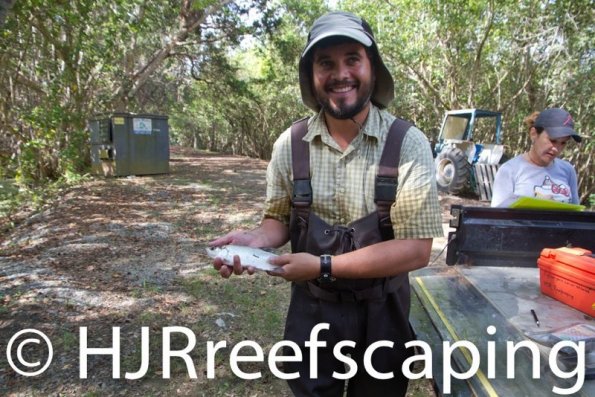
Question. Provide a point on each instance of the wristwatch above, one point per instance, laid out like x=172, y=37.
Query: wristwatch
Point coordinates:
x=325, y=270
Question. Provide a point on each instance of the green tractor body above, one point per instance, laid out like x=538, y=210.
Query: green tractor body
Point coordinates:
x=469, y=151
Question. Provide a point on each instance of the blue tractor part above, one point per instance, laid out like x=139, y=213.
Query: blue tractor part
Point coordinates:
x=468, y=151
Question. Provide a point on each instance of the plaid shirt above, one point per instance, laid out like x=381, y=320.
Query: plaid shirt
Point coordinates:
x=343, y=181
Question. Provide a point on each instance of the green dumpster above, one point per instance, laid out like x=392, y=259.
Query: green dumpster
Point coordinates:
x=125, y=144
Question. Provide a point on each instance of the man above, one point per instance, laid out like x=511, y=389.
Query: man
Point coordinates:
x=332, y=208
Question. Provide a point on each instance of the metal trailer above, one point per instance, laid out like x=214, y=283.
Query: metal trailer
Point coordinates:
x=491, y=293
x=451, y=305
x=124, y=144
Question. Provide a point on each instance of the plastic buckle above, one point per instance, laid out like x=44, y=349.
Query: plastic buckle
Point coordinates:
x=385, y=189
x=302, y=193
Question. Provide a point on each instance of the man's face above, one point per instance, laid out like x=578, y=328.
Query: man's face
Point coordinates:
x=342, y=79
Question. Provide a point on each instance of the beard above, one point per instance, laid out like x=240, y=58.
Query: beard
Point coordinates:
x=343, y=111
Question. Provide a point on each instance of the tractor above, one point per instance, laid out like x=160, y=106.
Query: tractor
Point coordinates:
x=469, y=151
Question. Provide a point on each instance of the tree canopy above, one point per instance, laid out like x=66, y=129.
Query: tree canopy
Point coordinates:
x=225, y=72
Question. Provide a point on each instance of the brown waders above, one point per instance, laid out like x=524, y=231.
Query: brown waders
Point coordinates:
x=360, y=310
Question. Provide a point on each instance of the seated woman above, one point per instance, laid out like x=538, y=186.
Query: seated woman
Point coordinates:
x=539, y=172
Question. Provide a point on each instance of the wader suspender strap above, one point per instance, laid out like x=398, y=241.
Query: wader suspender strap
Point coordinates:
x=385, y=189
x=300, y=157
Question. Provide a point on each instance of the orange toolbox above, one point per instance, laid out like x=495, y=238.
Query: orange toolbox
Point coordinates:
x=568, y=275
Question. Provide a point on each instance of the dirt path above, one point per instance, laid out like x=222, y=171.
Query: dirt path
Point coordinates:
x=128, y=253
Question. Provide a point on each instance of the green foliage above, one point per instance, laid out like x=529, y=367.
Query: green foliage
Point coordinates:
x=245, y=99
x=226, y=72
x=8, y=199
x=68, y=340
x=507, y=56
x=29, y=197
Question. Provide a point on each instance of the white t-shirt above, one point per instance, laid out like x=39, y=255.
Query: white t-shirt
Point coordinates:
x=521, y=178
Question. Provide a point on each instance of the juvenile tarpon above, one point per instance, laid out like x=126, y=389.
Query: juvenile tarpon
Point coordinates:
x=255, y=257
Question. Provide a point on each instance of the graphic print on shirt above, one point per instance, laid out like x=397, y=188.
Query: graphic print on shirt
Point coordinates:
x=552, y=191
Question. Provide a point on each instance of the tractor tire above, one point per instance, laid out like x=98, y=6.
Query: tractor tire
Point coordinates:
x=452, y=171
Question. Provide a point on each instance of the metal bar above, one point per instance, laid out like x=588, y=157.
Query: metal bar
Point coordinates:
x=486, y=236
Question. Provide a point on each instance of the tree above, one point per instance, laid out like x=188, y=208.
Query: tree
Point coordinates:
x=506, y=56
x=5, y=6
x=245, y=98
x=61, y=62
x=64, y=61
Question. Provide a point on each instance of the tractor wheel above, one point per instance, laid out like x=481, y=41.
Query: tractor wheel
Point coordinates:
x=452, y=170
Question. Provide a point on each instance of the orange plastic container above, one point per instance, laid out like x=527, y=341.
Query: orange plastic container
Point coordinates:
x=568, y=275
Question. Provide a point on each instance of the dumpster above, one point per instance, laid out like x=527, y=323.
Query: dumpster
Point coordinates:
x=125, y=144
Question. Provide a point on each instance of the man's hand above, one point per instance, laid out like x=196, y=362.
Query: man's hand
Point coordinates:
x=247, y=238
x=271, y=234
x=226, y=271
x=296, y=267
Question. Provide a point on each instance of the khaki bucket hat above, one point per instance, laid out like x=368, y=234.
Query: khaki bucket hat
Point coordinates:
x=344, y=24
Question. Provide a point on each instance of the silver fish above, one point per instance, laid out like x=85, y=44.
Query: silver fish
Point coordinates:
x=254, y=257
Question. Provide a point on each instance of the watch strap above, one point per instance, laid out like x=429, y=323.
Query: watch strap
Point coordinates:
x=325, y=269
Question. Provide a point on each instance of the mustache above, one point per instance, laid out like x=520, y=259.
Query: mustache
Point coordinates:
x=340, y=83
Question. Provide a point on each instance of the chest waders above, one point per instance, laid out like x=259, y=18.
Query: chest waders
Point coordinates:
x=360, y=310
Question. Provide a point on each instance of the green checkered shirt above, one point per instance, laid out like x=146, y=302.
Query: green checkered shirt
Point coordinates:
x=343, y=181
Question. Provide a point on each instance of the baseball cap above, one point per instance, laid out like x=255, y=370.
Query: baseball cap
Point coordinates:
x=557, y=123
x=340, y=23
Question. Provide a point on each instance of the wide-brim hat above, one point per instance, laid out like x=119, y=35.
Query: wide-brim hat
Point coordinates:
x=344, y=24
x=557, y=123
